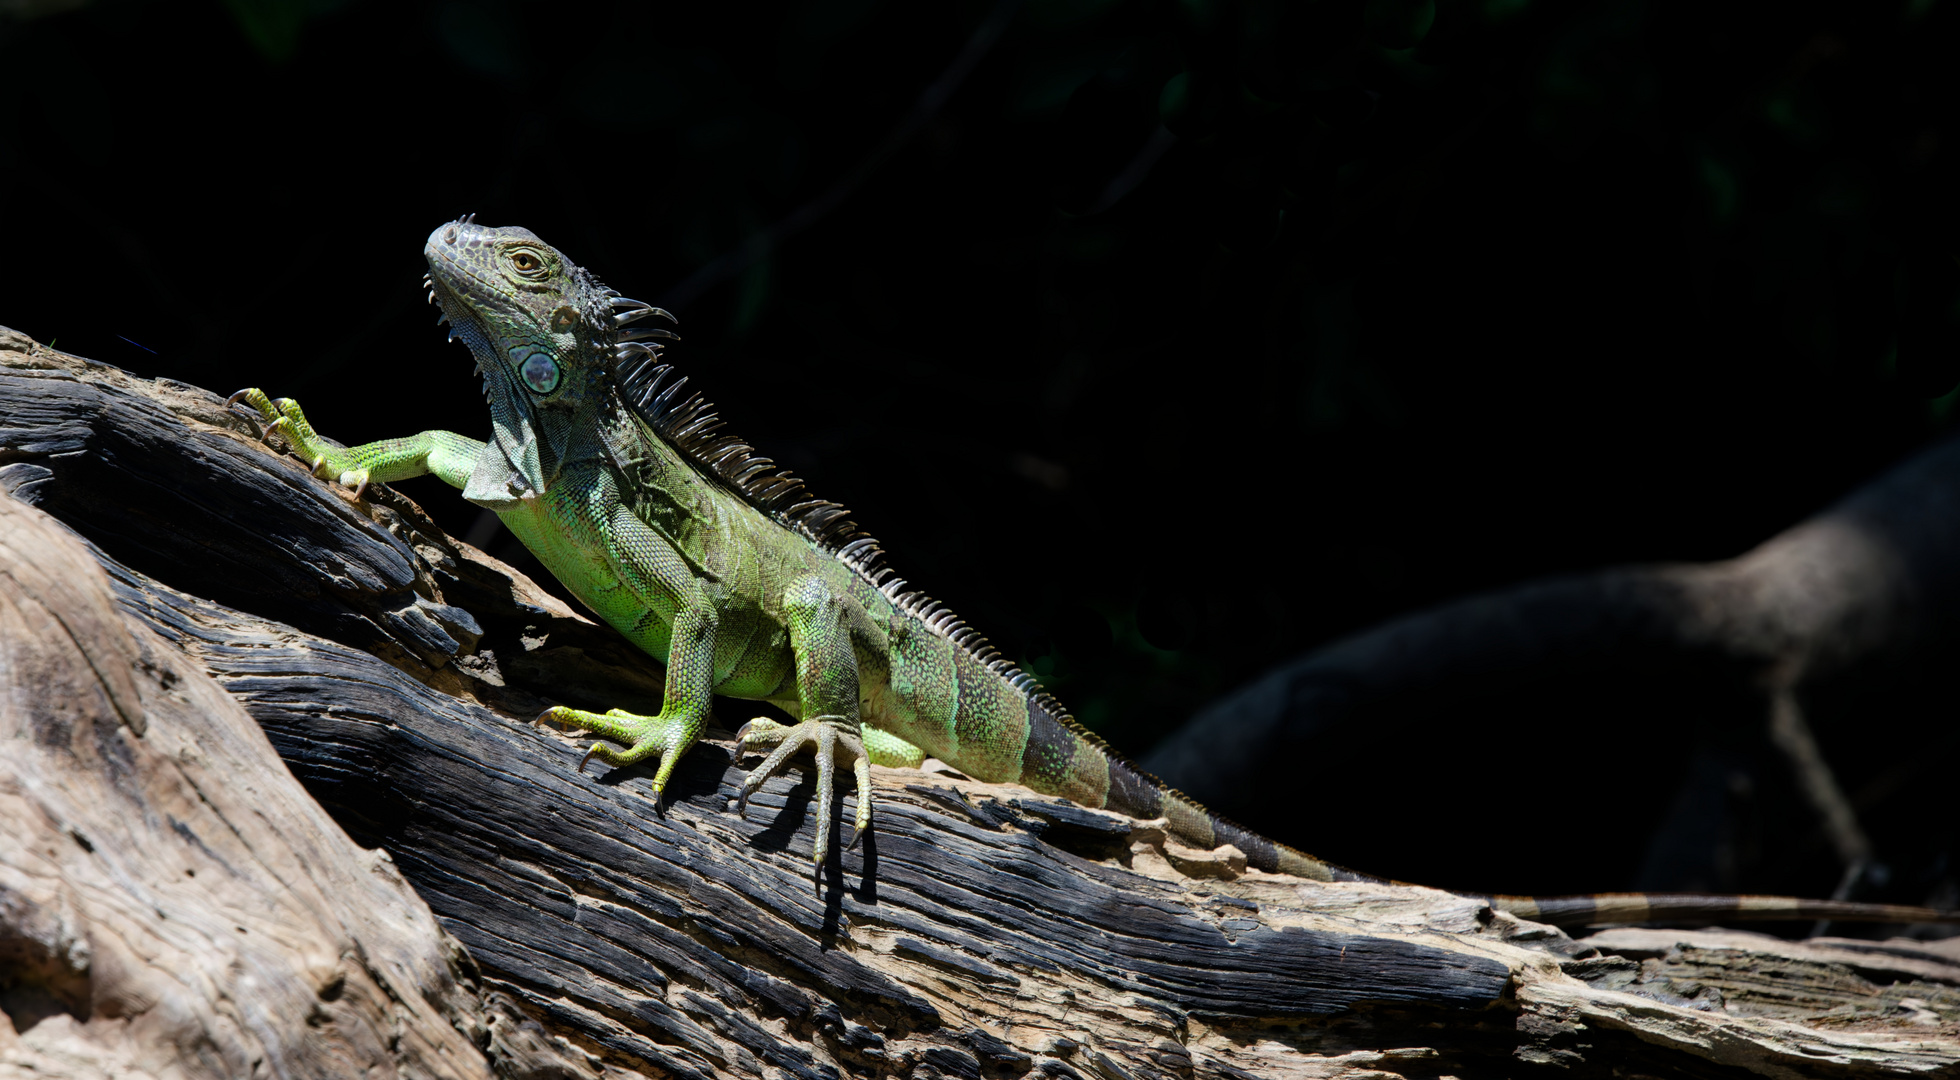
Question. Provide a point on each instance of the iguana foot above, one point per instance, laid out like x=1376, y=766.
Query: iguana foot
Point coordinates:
x=829, y=738
x=283, y=416
x=645, y=736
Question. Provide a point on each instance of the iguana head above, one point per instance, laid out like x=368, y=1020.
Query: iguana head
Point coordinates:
x=545, y=334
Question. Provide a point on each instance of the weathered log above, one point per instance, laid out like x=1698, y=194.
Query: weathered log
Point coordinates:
x=172, y=903
x=979, y=930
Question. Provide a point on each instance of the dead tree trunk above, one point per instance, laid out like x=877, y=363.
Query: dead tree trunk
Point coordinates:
x=979, y=930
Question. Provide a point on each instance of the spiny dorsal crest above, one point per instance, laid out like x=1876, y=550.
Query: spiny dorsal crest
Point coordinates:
x=652, y=390
x=658, y=396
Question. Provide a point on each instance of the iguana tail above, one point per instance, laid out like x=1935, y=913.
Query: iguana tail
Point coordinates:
x=1600, y=908
x=1136, y=793
x=1061, y=757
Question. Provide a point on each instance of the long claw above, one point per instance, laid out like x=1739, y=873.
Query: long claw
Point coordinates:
x=589, y=751
x=252, y=419
x=862, y=770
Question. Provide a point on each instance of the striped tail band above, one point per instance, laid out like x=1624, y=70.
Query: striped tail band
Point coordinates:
x=1693, y=907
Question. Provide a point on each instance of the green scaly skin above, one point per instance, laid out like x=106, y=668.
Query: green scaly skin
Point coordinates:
x=739, y=594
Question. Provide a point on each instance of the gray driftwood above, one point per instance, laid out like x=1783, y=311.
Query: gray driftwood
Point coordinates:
x=172, y=903
x=979, y=931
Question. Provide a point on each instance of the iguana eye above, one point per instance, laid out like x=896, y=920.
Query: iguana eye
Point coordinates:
x=539, y=371
x=524, y=260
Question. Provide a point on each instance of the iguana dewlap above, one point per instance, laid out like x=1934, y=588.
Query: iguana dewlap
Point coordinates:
x=721, y=566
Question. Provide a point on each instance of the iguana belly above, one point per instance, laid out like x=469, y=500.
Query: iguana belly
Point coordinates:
x=753, y=658
x=590, y=577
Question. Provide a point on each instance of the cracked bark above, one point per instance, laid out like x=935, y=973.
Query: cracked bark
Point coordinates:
x=980, y=930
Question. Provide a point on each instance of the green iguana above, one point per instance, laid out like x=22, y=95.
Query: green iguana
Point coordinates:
x=723, y=567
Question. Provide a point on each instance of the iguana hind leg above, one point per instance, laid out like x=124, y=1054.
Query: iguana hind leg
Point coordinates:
x=818, y=621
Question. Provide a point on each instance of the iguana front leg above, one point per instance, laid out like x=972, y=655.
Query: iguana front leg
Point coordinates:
x=648, y=566
x=827, y=686
x=444, y=453
x=683, y=711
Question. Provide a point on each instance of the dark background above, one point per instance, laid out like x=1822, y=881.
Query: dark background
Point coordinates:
x=1182, y=337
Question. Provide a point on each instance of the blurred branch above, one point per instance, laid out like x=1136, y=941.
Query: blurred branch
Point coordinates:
x=1153, y=149
x=1873, y=580
x=1790, y=733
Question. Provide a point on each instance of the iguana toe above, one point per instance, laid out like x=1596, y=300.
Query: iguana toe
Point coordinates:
x=284, y=418
x=761, y=733
x=862, y=769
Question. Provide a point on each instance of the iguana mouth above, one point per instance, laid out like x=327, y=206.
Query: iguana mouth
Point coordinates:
x=462, y=323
